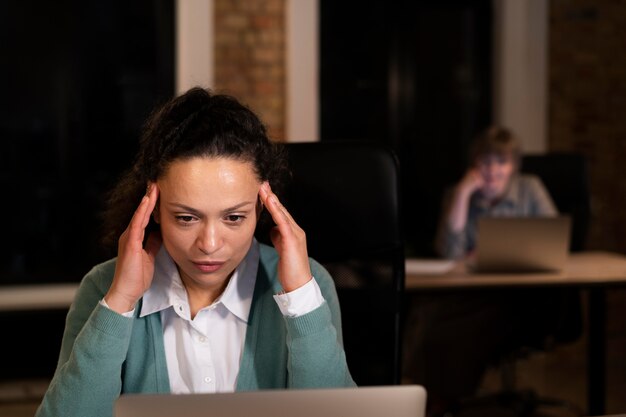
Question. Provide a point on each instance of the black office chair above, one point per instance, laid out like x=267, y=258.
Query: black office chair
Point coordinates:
x=565, y=178
x=345, y=195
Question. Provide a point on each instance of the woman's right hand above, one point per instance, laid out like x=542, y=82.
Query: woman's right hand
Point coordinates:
x=135, y=264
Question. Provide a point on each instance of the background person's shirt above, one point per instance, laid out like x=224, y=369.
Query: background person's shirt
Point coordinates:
x=525, y=196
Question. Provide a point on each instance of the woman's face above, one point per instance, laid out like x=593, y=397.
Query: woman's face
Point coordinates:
x=208, y=213
x=496, y=171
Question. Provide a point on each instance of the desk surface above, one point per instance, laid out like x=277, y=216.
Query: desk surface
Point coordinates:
x=584, y=268
x=37, y=297
x=581, y=269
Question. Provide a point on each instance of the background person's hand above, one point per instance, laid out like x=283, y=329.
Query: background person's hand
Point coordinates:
x=471, y=181
x=456, y=215
x=135, y=264
x=290, y=242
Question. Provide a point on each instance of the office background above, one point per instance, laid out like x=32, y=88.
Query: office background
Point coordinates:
x=81, y=76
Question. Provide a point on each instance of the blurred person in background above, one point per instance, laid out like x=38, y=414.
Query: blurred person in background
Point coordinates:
x=452, y=338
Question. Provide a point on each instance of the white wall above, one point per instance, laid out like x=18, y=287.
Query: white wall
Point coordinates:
x=521, y=70
x=302, y=71
x=194, y=44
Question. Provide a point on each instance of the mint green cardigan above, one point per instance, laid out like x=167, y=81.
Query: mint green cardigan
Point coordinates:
x=104, y=354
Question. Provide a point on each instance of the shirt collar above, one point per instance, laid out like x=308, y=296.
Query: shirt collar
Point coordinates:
x=167, y=288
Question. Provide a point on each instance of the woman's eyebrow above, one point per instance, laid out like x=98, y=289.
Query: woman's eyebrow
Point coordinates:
x=196, y=211
x=184, y=208
x=239, y=206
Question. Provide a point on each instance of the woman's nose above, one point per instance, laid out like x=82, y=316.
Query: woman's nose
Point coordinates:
x=209, y=239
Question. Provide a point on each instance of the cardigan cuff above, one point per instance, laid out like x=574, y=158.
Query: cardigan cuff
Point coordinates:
x=111, y=323
x=310, y=323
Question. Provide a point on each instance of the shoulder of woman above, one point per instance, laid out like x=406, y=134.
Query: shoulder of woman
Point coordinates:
x=268, y=256
x=93, y=286
x=101, y=275
x=319, y=271
x=269, y=259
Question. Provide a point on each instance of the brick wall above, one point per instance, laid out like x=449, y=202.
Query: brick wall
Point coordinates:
x=587, y=104
x=250, y=57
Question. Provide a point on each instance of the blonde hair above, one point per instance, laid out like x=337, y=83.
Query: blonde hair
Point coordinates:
x=495, y=140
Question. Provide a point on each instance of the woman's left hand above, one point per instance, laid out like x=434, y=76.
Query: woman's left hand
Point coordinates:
x=290, y=242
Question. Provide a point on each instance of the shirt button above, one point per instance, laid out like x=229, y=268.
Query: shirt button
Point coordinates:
x=202, y=339
x=207, y=380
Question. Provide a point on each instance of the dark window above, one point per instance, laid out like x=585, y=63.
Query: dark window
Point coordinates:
x=78, y=79
x=417, y=76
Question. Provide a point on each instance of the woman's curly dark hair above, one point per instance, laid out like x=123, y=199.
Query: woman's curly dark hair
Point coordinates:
x=196, y=123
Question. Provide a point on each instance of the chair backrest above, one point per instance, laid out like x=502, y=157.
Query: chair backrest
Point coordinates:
x=565, y=176
x=345, y=195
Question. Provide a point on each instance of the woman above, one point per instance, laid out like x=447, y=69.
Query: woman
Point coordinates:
x=453, y=338
x=192, y=302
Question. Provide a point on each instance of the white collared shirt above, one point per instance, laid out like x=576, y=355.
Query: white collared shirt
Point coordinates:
x=203, y=354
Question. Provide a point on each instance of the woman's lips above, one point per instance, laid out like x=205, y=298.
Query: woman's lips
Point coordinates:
x=208, y=266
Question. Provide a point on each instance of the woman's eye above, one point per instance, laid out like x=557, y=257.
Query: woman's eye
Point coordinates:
x=234, y=218
x=184, y=219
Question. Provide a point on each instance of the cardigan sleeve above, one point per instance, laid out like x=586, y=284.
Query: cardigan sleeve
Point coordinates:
x=87, y=380
x=314, y=340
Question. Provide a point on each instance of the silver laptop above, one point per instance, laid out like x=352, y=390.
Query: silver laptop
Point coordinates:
x=375, y=401
x=522, y=244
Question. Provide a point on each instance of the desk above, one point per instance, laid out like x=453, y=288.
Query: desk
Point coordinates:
x=37, y=297
x=20, y=307
x=591, y=270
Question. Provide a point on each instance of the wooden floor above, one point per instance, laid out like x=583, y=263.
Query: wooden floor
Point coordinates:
x=561, y=373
